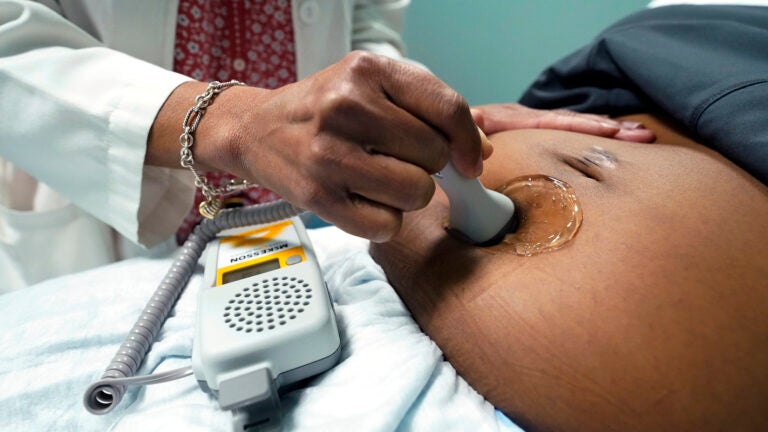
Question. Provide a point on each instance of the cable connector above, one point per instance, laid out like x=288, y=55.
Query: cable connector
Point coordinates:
x=253, y=399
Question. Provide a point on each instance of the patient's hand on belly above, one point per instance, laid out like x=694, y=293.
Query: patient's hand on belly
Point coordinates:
x=654, y=317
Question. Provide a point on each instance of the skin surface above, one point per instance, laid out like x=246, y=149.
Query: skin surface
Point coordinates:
x=355, y=143
x=652, y=318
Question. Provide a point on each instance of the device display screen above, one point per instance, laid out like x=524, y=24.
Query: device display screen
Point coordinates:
x=256, y=269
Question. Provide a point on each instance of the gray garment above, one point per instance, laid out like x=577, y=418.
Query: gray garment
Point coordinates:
x=704, y=66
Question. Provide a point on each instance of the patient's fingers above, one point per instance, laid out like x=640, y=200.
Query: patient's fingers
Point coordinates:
x=593, y=124
x=500, y=117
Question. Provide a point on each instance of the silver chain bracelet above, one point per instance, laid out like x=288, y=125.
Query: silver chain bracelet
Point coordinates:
x=210, y=207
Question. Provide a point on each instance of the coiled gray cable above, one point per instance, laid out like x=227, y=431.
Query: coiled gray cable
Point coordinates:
x=102, y=396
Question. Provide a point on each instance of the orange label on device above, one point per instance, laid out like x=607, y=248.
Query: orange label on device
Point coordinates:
x=258, y=251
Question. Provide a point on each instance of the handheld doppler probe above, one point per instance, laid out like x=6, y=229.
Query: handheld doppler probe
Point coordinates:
x=483, y=216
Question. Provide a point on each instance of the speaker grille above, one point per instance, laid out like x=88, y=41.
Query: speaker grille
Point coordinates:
x=267, y=304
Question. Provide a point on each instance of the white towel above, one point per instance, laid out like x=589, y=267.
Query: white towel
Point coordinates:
x=59, y=335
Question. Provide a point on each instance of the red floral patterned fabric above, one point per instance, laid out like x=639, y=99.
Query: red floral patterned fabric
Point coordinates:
x=246, y=40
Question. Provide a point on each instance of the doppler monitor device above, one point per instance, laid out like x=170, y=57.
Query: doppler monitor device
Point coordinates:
x=264, y=319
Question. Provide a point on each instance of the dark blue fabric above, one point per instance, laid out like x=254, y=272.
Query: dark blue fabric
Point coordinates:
x=704, y=66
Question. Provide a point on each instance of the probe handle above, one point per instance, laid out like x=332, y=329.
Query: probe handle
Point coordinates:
x=480, y=214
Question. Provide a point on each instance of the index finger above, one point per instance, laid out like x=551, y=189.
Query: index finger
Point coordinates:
x=432, y=101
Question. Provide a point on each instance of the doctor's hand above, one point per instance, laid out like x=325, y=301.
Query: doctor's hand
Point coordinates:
x=495, y=118
x=355, y=143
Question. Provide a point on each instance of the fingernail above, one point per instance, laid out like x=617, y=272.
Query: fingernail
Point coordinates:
x=631, y=125
x=479, y=167
x=636, y=135
x=483, y=144
x=610, y=123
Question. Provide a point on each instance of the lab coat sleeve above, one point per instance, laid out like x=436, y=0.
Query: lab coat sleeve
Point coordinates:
x=377, y=27
x=76, y=116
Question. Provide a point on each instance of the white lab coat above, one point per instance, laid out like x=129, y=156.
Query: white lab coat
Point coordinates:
x=80, y=84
